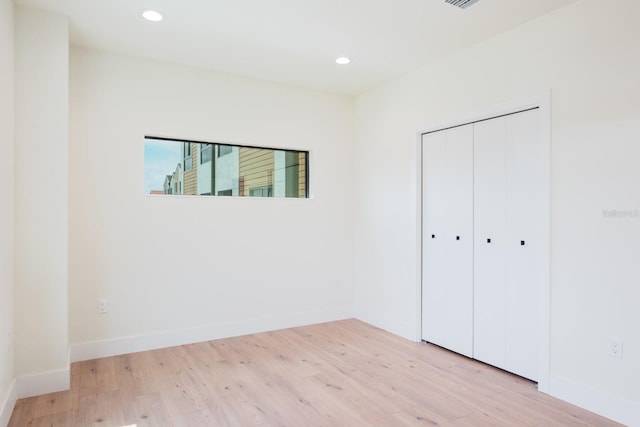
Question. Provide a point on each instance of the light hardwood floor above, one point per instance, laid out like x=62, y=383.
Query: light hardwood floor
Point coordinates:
x=344, y=373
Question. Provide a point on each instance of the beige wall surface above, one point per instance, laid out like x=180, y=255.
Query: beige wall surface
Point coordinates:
x=180, y=262
x=41, y=195
x=7, y=205
x=588, y=54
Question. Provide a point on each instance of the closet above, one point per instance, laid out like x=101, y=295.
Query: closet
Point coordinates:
x=447, y=285
x=484, y=208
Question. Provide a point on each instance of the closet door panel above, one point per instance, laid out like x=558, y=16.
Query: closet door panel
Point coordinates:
x=459, y=239
x=433, y=237
x=489, y=241
x=447, y=281
x=525, y=219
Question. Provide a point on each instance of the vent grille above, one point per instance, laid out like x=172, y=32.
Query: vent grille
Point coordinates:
x=463, y=4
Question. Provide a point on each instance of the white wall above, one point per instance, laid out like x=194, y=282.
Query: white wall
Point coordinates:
x=589, y=55
x=41, y=193
x=6, y=211
x=179, y=268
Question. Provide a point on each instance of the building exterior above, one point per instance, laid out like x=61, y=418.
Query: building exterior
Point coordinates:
x=166, y=187
x=227, y=170
x=190, y=167
x=177, y=180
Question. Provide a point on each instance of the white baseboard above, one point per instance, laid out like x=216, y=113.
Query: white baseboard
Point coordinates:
x=43, y=383
x=8, y=403
x=133, y=344
x=590, y=398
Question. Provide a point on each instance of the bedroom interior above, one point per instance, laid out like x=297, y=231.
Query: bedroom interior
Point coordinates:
x=84, y=82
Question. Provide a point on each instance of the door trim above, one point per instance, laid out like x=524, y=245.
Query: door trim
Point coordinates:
x=542, y=101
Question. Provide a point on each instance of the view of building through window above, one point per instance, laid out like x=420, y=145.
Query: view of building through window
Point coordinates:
x=197, y=168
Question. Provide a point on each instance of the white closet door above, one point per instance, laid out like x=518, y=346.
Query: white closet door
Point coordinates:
x=448, y=292
x=525, y=255
x=459, y=239
x=485, y=240
x=434, y=226
x=489, y=241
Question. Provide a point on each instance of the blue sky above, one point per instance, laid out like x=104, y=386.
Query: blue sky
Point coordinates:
x=160, y=160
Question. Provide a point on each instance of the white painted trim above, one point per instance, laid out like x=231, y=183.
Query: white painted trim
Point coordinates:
x=606, y=404
x=43, y=383
x=543, y=102
x=132, y=344
x=419, y=217
x=544, y=331
x=8, y=404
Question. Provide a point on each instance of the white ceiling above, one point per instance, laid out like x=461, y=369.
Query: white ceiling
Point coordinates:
x=294, y=41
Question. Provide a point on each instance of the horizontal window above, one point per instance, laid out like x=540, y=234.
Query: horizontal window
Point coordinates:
x=174, y=167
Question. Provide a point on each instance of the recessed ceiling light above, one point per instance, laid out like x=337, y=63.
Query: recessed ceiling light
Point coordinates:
x=343, y=60
x=152, y=15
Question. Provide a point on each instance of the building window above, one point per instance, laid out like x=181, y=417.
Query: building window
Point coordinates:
x=186, y=157
x=224, y=169
x=264, y=191
x=223, y=150
x=205, y=153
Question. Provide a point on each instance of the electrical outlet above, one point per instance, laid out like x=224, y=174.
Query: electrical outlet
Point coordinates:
x=102, y=306
x=615, y=348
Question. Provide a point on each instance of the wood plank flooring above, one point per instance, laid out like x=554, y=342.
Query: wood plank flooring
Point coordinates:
x=344, y=373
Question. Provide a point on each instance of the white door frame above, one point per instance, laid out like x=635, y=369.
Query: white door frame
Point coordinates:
x=543, y=102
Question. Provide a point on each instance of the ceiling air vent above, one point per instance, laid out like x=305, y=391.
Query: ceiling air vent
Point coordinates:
x=463, y=4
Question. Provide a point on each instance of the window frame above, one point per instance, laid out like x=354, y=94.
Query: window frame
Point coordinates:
x=187, y=154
